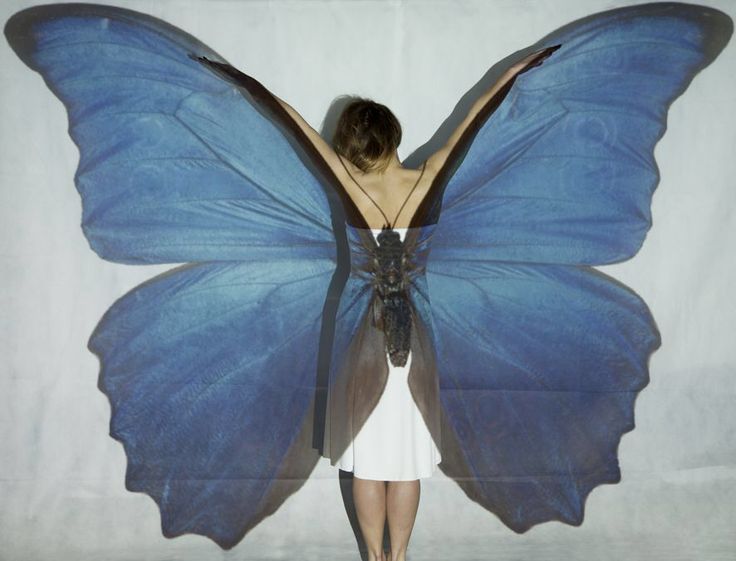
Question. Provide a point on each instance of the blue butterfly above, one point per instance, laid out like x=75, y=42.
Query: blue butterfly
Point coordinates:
x=222, y=372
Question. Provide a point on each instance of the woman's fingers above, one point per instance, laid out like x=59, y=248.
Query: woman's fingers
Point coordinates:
x=535, y=59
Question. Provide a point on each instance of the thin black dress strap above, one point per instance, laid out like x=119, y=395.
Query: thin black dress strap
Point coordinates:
x=388, y=222
x=424, y=165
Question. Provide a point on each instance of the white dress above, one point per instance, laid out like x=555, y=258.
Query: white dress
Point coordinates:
x=394, y=444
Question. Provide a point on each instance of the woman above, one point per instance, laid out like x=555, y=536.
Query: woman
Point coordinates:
x=364, y=158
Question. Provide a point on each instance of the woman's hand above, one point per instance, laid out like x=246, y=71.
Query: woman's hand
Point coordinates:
x=532, y=60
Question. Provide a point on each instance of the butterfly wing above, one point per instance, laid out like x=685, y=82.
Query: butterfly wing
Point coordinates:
x=176, y=164
x=541, y=357
x=210, y=369
x=539, y=370
x=210, y=372
x=563, y=170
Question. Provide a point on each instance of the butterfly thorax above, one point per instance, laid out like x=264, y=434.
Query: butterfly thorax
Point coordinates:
x=389, y=263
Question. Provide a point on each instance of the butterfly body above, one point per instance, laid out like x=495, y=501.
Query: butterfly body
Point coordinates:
x=392, y=268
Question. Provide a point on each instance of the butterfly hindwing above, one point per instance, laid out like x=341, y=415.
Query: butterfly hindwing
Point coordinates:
x=210, y=371
x=539, y=370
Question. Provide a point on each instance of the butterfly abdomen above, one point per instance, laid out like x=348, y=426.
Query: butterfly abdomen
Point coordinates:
x=391, y=266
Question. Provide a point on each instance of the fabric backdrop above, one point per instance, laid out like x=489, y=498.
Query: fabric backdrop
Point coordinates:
x=62, y=477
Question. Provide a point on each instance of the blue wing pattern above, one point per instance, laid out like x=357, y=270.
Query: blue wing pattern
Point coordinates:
x=540, y=357
x=563, y=170
x=210, y=372
x=539, y=370
x=210, y=368
x=176, y=164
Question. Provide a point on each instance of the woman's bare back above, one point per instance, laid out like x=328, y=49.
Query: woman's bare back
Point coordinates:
x=389, y=190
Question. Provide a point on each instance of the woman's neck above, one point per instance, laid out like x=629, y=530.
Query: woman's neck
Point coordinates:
x=393, y=165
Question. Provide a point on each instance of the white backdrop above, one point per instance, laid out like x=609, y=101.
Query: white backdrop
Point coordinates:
x=62, y=477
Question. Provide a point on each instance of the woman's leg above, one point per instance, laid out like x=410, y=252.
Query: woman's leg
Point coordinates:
x=402, y=503
x=370, y=504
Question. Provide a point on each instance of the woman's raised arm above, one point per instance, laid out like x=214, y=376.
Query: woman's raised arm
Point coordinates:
x=322, y=146
x=325, y=150
x=437, y=160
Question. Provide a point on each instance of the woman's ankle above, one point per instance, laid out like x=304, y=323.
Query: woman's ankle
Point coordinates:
x=400, y=556
x=378, y=556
